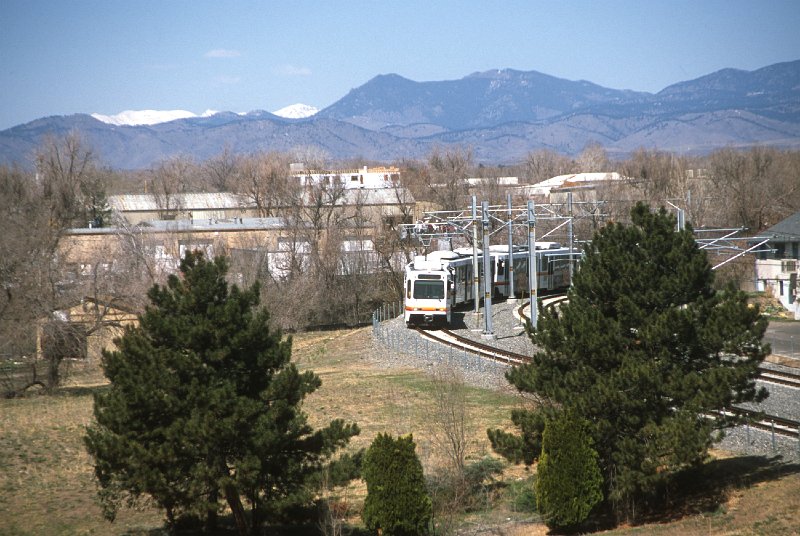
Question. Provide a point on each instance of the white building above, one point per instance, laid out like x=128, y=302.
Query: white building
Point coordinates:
x=777, y=270
x=572, y=182
x=362, y=178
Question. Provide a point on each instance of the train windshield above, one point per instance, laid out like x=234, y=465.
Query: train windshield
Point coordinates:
x=429, y=290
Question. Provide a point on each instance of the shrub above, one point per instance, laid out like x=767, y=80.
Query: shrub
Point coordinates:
x=569, y=482
x=397, y=503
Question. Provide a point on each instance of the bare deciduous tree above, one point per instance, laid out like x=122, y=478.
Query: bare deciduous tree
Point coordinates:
x=72, y=186
x=451, y=418
x=448, y=170
x=220, y=173
x=544, y=164
x=752, y=184
x=36, y=277
x=593, y=159
x=263, y=179
x=312, y=157
x=176, y=175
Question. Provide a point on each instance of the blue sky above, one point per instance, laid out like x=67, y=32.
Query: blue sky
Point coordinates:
x=82, y=56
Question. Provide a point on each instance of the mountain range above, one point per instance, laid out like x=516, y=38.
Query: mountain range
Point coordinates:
x=501, y=114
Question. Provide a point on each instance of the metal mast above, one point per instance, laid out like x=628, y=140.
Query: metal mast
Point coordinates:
x=476, y=287
x=510, y=263
x=533, y=268
x=488, y=283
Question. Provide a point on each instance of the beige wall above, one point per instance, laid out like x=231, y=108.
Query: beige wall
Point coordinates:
x=102, y=324
x=104, y=246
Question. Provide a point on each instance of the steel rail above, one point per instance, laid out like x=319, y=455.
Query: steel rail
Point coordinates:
x=779, y=377
x=764, y=422
x=454, y=340
x=769, y=423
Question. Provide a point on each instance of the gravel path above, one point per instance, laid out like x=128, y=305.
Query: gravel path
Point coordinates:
x=396, y=346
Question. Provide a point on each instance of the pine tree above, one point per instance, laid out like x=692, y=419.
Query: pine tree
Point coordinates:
x=397, y=503
x=204, y=404
x=645, y=349
x=568, y=479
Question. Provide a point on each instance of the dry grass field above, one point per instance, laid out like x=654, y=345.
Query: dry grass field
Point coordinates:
x=47, y=485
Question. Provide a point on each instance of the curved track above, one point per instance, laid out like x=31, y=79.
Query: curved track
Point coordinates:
x=453, y=339
x=769, y=423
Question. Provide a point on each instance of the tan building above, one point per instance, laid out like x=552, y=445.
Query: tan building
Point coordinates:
x=159, y=245
x=85, y=329
x=138, y=208
x=143, y=248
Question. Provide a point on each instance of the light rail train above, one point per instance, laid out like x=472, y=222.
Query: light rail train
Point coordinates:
x=436, y=283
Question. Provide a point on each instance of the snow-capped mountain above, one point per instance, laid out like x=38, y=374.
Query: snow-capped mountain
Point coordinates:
x=148, y=117
x=155, y=117
x=296, y=111
x=502, y=114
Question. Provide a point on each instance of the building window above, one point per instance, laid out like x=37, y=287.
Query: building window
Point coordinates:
x=200, y=245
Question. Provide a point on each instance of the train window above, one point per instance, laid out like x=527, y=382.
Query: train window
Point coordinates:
x=429, y=290
x=501, y=267
x=408, y=289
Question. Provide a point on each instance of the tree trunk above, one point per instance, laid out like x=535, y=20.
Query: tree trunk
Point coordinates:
x=211, y=518
x=235, y=502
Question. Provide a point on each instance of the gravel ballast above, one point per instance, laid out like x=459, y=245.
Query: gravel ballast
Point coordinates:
x=397, y=346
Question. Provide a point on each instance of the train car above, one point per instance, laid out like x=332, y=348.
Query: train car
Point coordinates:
x=442, y=280
x=430, y=289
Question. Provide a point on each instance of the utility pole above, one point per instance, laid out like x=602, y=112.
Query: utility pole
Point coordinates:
x=488, y=283
x=510, y=263
x=570, y=237
x=476, y=287
x=533, y=268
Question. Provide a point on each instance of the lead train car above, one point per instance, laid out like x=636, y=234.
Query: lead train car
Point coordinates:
x=436, y=283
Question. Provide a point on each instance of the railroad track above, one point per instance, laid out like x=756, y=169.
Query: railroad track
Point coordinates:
x=486, y=351
x=454, y=340
x=548, y=301
x=778, y=377
x=768, y=423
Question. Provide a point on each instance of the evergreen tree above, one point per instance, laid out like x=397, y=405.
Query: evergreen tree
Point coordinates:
x=568, y=479
x=397, y=503
x=645, y=349
x=204, y=404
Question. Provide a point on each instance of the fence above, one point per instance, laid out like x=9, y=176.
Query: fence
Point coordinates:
x=406, y=345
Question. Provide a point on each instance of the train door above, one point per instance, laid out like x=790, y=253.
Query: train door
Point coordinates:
x=493, y=274
x=521, y=274
x=464, y=282
x=547, y=271
x=500, y=276
x=468, y=283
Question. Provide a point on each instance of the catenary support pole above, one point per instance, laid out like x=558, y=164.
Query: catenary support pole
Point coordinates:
x=476, y=287
x=510, y=263
x=488, y=283
x=533, y=268
x=571, y=237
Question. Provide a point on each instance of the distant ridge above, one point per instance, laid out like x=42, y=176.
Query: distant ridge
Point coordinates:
x=501, y=114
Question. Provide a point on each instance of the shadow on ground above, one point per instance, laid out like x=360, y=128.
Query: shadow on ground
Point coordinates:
x=704, y=489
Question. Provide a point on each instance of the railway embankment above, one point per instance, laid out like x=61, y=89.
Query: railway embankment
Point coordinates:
x=407, y=348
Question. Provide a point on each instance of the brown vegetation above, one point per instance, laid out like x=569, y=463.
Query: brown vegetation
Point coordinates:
x=47, y=486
